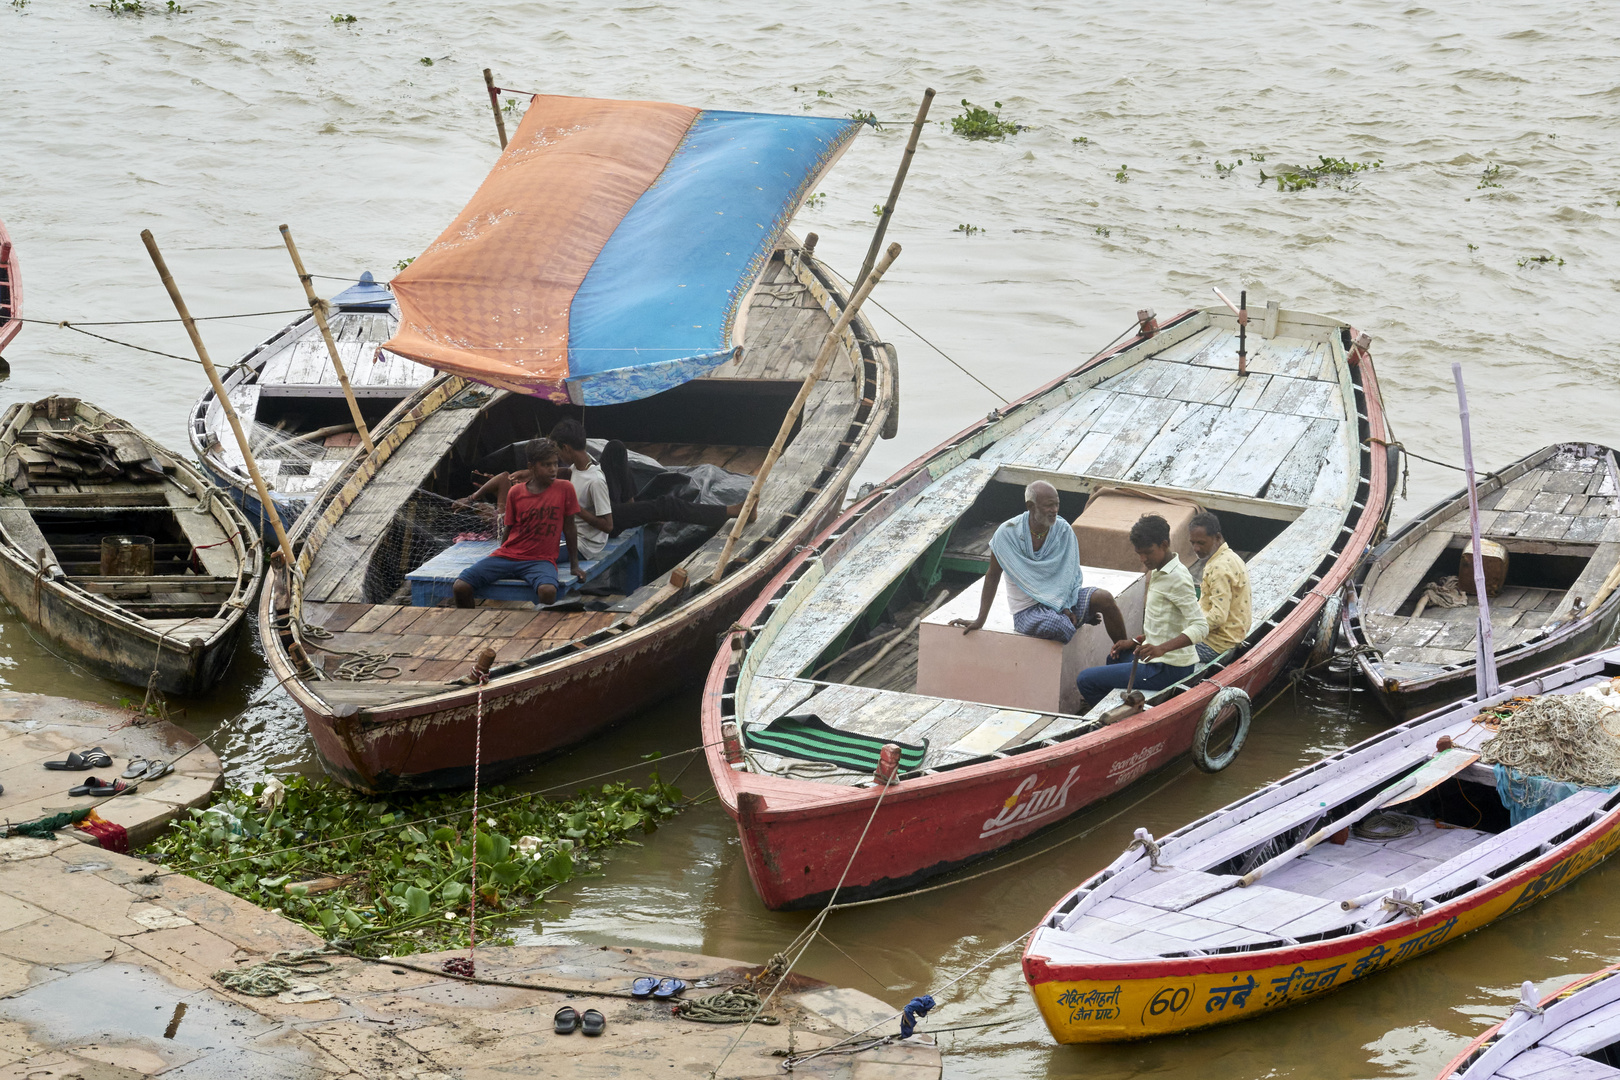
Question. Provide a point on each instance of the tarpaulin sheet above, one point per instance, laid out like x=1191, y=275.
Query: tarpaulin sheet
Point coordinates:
x=609, y=254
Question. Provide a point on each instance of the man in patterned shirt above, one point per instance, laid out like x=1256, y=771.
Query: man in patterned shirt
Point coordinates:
x=1223, y=592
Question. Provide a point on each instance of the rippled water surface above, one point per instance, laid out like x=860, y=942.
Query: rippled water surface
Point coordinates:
x=213, y=126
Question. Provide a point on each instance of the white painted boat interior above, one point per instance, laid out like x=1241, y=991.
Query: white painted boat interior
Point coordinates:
x=1274, y=452
x=1575, y=1036
x=1557, y=513
x=1192, y=903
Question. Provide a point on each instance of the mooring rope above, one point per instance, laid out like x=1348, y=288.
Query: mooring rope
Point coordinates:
x=1567, y=737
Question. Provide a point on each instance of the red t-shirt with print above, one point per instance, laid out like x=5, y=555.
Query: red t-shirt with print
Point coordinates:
x=534, y=522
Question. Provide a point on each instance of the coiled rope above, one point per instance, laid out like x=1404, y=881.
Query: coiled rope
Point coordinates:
x=735, y=1005
x=271, y=977
x=1566, y=737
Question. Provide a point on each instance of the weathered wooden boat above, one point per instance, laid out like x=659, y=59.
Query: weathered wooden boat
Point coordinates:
x=117, y=552
x=1167, y=938
x=1556, y=516
x=10, y=290
x=290, y=401
x=1284, y=454
x=1570, y=1034
x=677, y=391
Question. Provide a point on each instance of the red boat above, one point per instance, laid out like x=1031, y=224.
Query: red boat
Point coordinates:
x=1282, y=449
x=10, y=290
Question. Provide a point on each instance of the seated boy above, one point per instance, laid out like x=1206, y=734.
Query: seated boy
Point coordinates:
x=1172, y=623
x=539, y=512
x=590, y=486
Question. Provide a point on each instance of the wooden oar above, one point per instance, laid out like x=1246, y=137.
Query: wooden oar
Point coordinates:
x=1438, y=769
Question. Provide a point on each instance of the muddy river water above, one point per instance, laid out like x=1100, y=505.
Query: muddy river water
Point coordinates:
x=1487, y=235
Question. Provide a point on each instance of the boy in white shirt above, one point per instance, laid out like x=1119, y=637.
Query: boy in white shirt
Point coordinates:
x=595, y=522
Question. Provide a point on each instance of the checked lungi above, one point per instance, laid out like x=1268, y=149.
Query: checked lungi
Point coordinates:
x=1043, y=622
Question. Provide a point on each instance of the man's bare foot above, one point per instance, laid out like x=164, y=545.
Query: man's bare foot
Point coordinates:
x=735, y=510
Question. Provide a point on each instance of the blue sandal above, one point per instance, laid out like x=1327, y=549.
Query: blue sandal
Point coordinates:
x=668, y=988
x=644, y=986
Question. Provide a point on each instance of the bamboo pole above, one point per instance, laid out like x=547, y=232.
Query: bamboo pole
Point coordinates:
x=1485, y=684
x=318, y=306
x=495, y=104
x=828, y=346
x=220, y=394
x=894, y=192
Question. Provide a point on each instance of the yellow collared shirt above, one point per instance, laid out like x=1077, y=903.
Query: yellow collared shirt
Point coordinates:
x=1225, y=600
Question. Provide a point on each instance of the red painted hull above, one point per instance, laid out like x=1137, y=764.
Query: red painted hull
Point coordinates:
x=797, y=836
x=10, y=290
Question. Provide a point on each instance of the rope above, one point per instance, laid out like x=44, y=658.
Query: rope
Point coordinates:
x=468, y=967
x=271, y=977
x=734, y=1005
x=73, y=324
x=1380, y=827
x=1144, y=842
x=1565, y=737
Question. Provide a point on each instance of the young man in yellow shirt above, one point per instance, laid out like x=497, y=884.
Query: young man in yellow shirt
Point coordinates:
x=1223, y=590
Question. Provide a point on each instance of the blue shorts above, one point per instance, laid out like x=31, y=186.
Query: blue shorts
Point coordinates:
x=492, y=568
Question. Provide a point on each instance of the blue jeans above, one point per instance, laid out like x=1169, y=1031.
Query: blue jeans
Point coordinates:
x=492, y=568
x=1095, y=682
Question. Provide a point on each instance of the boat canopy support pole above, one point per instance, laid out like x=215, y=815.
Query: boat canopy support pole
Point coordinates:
x=894, y=192
x=1485, y=683
x=220, y=395
x=495, y=104
x=319, y=306
x=829, y=346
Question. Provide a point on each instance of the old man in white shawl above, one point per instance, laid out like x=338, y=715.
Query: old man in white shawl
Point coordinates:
x=1039, y=556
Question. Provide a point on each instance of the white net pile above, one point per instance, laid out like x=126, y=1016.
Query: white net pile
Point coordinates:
x=1569, y=737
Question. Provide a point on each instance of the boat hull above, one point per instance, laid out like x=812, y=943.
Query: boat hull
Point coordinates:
x=1083, y=1003
x=241, y=492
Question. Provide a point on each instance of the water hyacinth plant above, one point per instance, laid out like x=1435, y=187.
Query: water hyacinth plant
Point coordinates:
x=395, y=876
x=977, y=122
x=1336, y=172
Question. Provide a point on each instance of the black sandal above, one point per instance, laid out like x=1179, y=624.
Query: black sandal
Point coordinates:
x=565, y=1021
x=96, y=758
x=593, y=1022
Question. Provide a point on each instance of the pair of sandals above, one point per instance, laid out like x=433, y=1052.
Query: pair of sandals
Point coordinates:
x=567, y=1020
x=652, y=986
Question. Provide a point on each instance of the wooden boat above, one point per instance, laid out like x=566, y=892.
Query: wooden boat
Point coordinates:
x=1283, y=454
x=1166, y=939
x=118, y=553
x=10, y=290
x=287, y=394
x=1556, y=513
x=563, y=673
x=1570, y=1034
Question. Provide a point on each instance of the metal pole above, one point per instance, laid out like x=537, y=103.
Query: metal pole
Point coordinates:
x=220, y=394
x=894, y=191
x=318, y=306
x=1485, y=684
x=829, y=345
x=495, y=104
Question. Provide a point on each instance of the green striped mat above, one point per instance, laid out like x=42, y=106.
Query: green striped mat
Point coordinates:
x=809, y=738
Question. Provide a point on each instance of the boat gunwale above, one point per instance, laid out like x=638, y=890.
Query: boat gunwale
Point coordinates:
x=14, y=322
x=1487, y=1039
x=1607, y=822
x=1350, y=617
x=844, y=463
x=826, y=800
x=250, y=569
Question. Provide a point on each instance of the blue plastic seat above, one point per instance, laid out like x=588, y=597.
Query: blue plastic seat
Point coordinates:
x=622, y=563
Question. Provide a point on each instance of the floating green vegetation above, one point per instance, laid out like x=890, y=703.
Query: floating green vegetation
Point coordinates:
x=1079, y=140
x=877, y=209
x=1224, y=171
x=816, y=201
x=977, y=122
x=1488, y=178
x=395, y=876
x=403, y=263
x=426, y=61
x=1103, y=230
x=1473, y=247
x=969, y=230
x=344, y=20
x=1533, y=262
x=861, y=116
x=1335, y=172
x=19, y=4
x=1123, y=175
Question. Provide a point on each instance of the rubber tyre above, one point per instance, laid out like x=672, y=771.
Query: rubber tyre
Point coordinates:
x=1229, y=695
x=1327, y=631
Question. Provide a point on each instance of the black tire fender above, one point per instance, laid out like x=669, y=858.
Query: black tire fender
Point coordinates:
x=1227, y=696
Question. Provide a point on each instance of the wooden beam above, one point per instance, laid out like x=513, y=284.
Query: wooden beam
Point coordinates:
x=319, y=306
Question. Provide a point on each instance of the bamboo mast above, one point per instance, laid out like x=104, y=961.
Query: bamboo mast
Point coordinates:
x=1485, y=684
x=894, y=192
x=495, y=104
x=318, y=306
x=220, y=395
x=828, y=347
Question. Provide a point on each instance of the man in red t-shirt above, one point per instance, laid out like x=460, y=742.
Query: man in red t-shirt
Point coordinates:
x=539, y=513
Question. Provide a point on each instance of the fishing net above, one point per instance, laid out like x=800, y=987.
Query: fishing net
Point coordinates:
x=1571, y=738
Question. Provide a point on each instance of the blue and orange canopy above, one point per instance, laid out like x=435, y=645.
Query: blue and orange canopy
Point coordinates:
x=610, y=252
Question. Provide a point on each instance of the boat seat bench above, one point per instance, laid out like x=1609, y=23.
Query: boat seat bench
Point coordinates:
x=621, y=561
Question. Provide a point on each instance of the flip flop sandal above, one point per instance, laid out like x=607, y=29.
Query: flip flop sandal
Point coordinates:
x=99, y=788
x=643, y=987
x=565, y=1021
x=156, y=768
x=136, y=767
x=668, y=988
x=593, y=1022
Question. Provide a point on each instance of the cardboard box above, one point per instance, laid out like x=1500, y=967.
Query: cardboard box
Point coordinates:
x=1104, y=529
